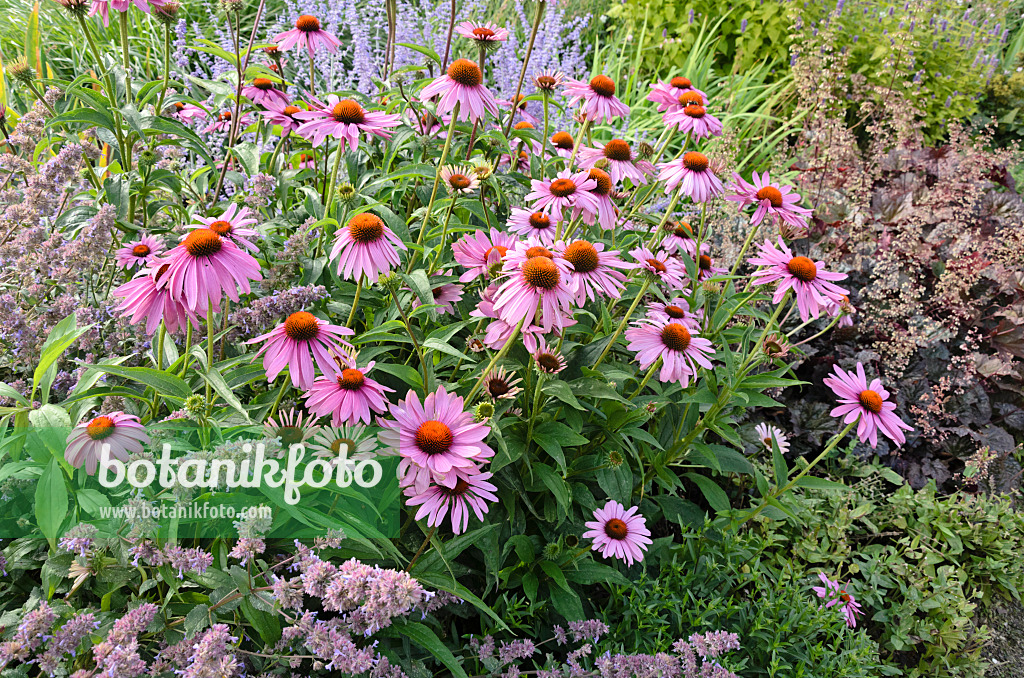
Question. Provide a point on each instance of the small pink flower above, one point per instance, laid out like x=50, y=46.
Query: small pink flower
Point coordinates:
x=694, y=119
x=621, y=162
x=307, y=33
x=838, y=596
x=233, y=225
x=482, y=32
x=262, y=91
x=777, y=202
x=619, y=533
x=471, y=491
x=145, y=300
x=343, y=119
x=675, y=342
x=366, y=247
x=347, y=394
x=446, y=295
x=296, y=342
x=122, y=432
x=867, y=402
x=282, y=114
x=814, y=286
x=598, y=97
x=564, y=191
x=693, y=175
x=462, y=84
x=479, y=252
x=666, y=94
x=528, y=223
x=677, y=310
x=189, y=112
x=144, y=252
x=680, y=238
x=666, y=269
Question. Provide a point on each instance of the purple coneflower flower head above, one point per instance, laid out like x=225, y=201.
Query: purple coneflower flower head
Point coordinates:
x=222, y=123
x=471, y=491
x=593, y=271
x=566, y=190
x=347, y=394
x=122, y=432
x=845, y=308
x=296, y=342
x=343, y=119
x=621, y=162
x=598, y=98
x=462, y=85
x=563, y=143
x=677, y=344
x=607, y=213
x=694, y=119
x=666, y=269
x=666, y=95
x=459, y=180
x=262, y=91
x=140, y=253
x=307, y=33
x=355, y=443
x=446, y=295
x=693, y=175
x=434, y=439
x=206, y=266
x=766, y=433
x=536, y=280
x=676, y=310
x=531, y=224
x=868, y=402
x=282, y=114
x=548, y=359
x=291, y=427
x=547, y=81
x=479, y=252
x=189, y=112
x=146, y=300
x=706, y=268
x=777, y=202
x=500, y=386
x=619, y=533
x=487, y=32
x=814, y=286
x=233, y=225
x=366, y=247
x=680, y=238
x=838, y=596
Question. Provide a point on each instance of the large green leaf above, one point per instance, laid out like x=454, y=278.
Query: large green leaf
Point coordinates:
x=51, y=501
x=166, y=384
x=422, y=636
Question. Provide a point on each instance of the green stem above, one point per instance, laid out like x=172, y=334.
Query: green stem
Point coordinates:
x=415, y=342
x=647, y=378
x=129, y=96
x=280, y=395
x=430, y=535
x=541, y=5
x=433, y=192
x=159, y=366
x=167, y=69
x=355, y=302
x=210, y=331
x=329, y=197
x=272, y=166
x=188, y=348
x=494, y=361
x=622, y=325
x=444, y=237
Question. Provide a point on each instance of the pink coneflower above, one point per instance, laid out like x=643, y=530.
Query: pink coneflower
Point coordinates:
x=206, y=266
x=706, y=268
x=677, y=310
x=459, y=180
x=607, y=213
x=548, y=359
x=145, y=299
x=593, y=270
x=122, y=432
x=366, y=247
x=529, y=223
x=534, y=277
x=307, y=33
x=232, y=225
x=775, y=201
x=471, y=491
x=869, y=403
x=102, y=8
x=355, y=443
x=838, y=596
x=692, y=172
x=533, y=145
x=563, y=144
x=462, y=85
x=262, y=92
x=810, y=281
x=665, y=268
x=680, y=238
x=479, y=252
x=487, y=33
x=296, y=342
x=679, y=347
x=307, y=161
x=446, y=295
x=694, y=119
x=292, y=427
x=565, y=190
x=499, y=332
x=618, y=532
x=426, y=123
x=140, y=253
x=500, y=386
x=283, y=115
x=843, y=308
x=598, y=97
x=547, y=81
x=621, y=162
x=666, y=94
x=766, y=433
x=189, y=112
x=347, y=394
x=434, y=438
x=343, y=119
x=222, y=123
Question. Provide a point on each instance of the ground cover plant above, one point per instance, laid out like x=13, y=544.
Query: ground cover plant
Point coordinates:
x=393, y=339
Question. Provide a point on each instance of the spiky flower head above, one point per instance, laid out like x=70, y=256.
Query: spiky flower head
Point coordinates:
x=391, y=282
x=76, y=8
x=347, y=194
x=644, y=150
x=22, y=72
x=195, y=406
x=552, y=550
x=231, y=7
x=483, y=412
x=146, y=160
x=167, y=13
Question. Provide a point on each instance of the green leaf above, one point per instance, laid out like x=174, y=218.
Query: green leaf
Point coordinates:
x=417, y=281
x=51, y=501
x=567, y=603
x=425, y=51
x=560, y=433
x=552, y=570
x=197, y=619
x=555, y=483
x=216, y=380
x=589, y=572
x=249, y=156
x=779, y=467
x=446, y=583
x=91, y=501
x=88, y=116
x=404, y=372
x=166, y=384
x=715, y=495
x=812, y=483
x=684, y=513
x=559, y=389
x=443, y=347
x=266, y=624
x=447, y=551
x=8, y=391
x=422, y=636
x=60, y=338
